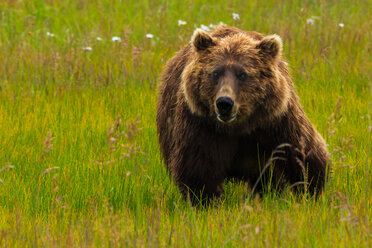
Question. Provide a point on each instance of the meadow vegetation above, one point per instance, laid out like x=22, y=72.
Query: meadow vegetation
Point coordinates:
x=79, y=158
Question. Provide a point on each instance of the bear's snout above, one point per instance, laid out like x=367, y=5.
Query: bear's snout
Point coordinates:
x=224, y=106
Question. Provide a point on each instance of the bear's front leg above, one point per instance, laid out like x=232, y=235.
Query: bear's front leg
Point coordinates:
x=200, y=190
x=198, y=171
x=199, y=161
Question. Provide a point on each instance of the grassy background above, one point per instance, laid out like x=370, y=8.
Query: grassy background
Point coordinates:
x=73, y=175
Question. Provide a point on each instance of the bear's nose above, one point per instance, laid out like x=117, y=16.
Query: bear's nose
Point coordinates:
x=224, y=105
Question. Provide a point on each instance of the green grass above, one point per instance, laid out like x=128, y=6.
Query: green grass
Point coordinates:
x=58, y=102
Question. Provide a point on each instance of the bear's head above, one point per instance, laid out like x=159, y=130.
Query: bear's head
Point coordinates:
x=236, y=79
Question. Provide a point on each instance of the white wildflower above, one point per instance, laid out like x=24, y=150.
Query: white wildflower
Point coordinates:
x=99, y=38
x=205, y=28
x=116, y=38
x=310, y=21
x=87, y=48
x=236, y=16
x=341, y=25
x=149, y=36
x=181, y=23
x=50, y=34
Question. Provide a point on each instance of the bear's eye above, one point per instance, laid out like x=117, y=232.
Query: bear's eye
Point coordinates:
x=242, y=76
x=216, y=74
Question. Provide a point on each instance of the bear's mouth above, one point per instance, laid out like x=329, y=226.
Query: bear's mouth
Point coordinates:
x=226, y=118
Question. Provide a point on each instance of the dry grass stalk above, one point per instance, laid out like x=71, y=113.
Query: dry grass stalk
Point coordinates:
x=302, y=163
x=49, y=170
x=48, y=145
x=334, y=120
x=131, y=150
x=7, y=167
x=121, y=142
x=275, y=155
x=132, y=129
x=352, y=217
x=59, y=204
x=113, y=134
x=345, y=145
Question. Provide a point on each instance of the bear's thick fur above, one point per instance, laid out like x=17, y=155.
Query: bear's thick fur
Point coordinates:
x=226, y=102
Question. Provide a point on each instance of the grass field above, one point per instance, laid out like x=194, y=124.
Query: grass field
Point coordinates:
x=79, y=158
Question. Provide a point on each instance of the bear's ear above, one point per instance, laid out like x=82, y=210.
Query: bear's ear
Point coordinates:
x=201, y=40
x=270, y=46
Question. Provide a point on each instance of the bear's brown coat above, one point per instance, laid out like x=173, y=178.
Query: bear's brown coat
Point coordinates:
x=200, y=151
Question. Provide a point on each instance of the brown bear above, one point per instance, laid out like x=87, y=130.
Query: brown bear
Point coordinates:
x=226, y=103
